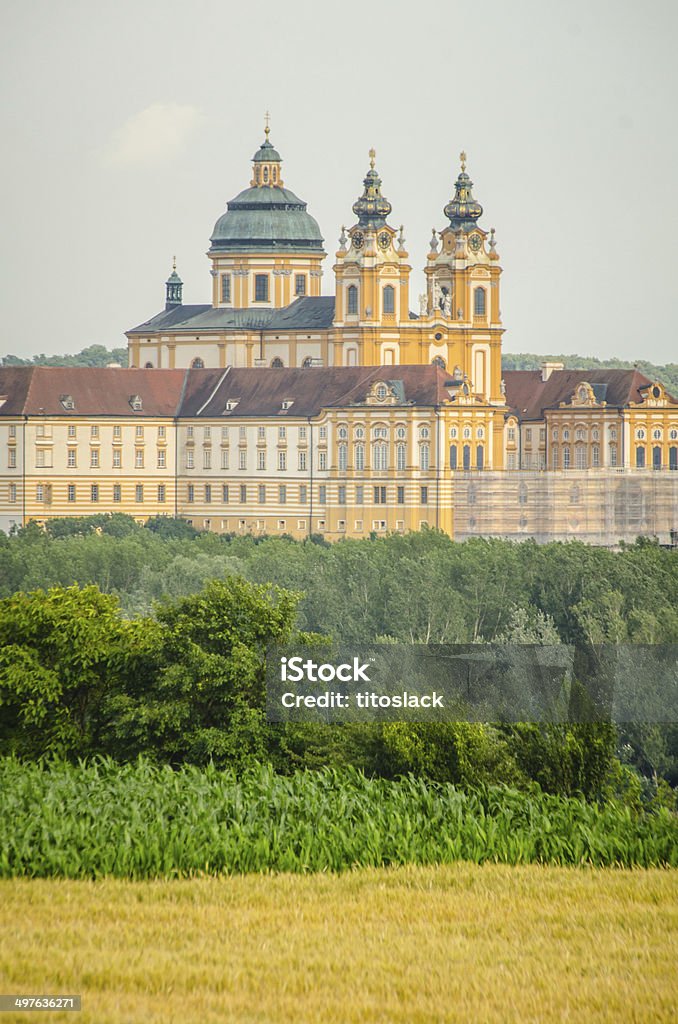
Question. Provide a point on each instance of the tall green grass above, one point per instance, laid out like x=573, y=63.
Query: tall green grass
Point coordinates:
x=143, y=821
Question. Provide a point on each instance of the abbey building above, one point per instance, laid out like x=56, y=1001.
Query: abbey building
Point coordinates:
x=277, y=409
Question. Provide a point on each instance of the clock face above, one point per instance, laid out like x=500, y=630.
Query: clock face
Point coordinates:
x=475, y=243
x=358, y=239
x=384, y=240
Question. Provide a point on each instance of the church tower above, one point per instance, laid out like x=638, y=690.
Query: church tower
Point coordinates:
x=266, y=250
x=372, y=282
x=461, y=303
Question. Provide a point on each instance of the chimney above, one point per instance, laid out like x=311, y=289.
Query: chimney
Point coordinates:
x=548, y=368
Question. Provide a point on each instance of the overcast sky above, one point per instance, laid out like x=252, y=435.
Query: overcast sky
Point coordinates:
x=127, y=126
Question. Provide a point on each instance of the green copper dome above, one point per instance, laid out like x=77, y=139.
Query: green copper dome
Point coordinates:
x=463, y=211
x=372, y=208
x=266, y=216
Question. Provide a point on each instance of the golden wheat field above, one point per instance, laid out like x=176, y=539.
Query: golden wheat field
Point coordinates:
x=400, y=946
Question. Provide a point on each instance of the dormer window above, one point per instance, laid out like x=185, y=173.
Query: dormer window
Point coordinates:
x=381, y=392
x=67, y=401
x=231, y=404
x=135, y=403
x=287, y=404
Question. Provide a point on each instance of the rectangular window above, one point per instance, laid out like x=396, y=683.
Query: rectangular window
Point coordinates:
x=189, y=459
x=224, y=435
x=299, y=284
x=282, y=460
x=303, y=494
x=117, y=458
x=282, y=433
x=162, y=458
x=94, y=431
x=208, y=494
x=528, y=435
x=261, y=287
x=321, y=525
x=139, y=433
x=359, y=494
x=302, y=433
x=71, y=430
x=225, y=287
x=322, y=494
x=12, y=430
x=613, y=455
x=12, y=493
x=401, y=495
x=322, y=461
x=358, y=526
x=322, y=433
x=139, y=492
x=94, y=492
x=511, y=434
x=224, y=458
x=71, y=492
x=161, y=492
x=242, y=459
x=94, y=458
x=262, y=494
x=424, y=495
x=39, y=493
x=379, y=495
x=11, y=458
x=243, y=493
x=161, y=433
x=189, y=432
x=207, y=433
x=207, y=458
x=242, y=432
x=542, y=433
x=40, y=458
x=138, y=458
x=224, y=494
x=261, y=433
x=282, y=494
x=261, y=459
x=341, y=496
x=190, y=493
x=117, y=492
x=282, y=524
x=511, y=460
x=302, y=461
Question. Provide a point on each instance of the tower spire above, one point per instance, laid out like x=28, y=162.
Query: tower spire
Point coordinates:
x=173, y=287
x=372, y=208
x=463, y=211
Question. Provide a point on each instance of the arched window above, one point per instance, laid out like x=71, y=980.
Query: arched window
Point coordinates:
x=554, y=457
x=389, y=299
x=595, y=455
x=352, y=299
x=148, y=366
x=308, y=361
x=438, y=361
x=453, y=456
x=467, y=456
x=657, y=457
x=401, y=456
x=673, y=457
x=379, y=456
x=580, y=456
x=343, y=456
x=277, y=363
x=480, y=455
x=197, y=363
x=424, y=456
x=566, y=456
x=640, y=457
x=360, y=456
x=479, y=302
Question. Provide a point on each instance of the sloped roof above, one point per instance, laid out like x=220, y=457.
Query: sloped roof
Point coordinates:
x=527, y=395
x=95, y=391
x=261, y=392
x=310, y=313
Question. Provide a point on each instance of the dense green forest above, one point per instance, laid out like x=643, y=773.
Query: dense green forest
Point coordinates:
x=152, y=644
x=98, y=355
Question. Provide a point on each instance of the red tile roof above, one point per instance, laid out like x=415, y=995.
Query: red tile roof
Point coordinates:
x=39, y=390
x=528, y=396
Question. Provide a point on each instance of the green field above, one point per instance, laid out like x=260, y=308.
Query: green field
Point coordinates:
x=401, y=946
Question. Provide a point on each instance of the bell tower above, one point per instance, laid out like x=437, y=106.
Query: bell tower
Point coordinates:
x=372, y=275
x=462, y=294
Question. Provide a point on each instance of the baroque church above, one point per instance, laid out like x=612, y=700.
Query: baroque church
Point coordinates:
x=274, y=409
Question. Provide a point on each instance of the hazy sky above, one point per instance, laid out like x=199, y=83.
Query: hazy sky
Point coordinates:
x=127, y=126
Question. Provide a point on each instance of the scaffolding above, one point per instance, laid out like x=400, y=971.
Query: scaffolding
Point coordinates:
x=597, y=506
